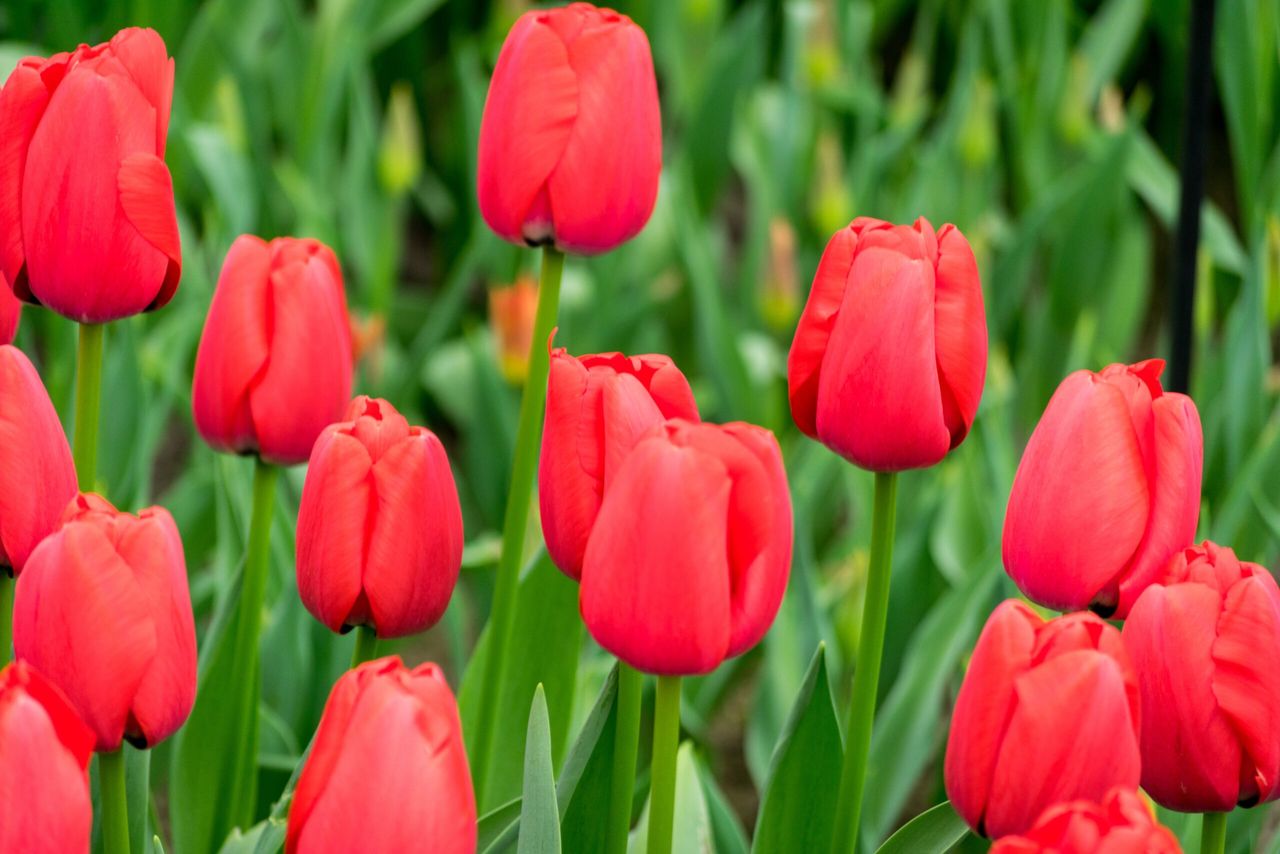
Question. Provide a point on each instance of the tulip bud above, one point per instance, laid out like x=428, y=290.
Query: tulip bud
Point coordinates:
x=689, y=556
x=571, y=138
x=387, y=769
x=890, y=353
x=1047, y=713
x=103, y=610
x=1107, y=490
x=44, y=766
x=512, y=311
x=87, y=221
x=1120, y=824
x=10, y=311
x=379, y=526
x=1201, y=639
x=37, y=474
x=598, y=407
x=274, y=365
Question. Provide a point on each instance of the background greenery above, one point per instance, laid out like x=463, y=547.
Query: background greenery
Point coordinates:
x=1048, y=131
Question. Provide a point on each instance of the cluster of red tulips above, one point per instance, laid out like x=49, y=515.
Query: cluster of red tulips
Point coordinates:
x=678, y=531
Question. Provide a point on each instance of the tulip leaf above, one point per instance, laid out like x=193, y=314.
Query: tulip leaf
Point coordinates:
x=934, y=831
x=496, y=828
x=692, y=831
x=540, y=815
x=797, y=812
x=155, y=846
x=265, y=837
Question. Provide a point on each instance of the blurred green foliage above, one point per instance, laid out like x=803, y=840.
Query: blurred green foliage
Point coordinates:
x=1046, y=130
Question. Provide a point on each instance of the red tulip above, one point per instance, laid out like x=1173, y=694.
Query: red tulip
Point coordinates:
x=890, y=354
x=44, y=767
x=274, y=365
x=571, y=139
x=10, y=311
x=87, y=222
x=1202, y=639
x=1107, y=490
x=103, y=610
x=37, y=475
x=379, y=527
x=1047, y=713
x=598, y=406
x=387, y=770
x=1121, y=824
x=688, y=559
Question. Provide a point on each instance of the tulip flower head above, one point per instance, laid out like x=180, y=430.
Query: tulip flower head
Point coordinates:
x=37, y=474
x=1120, y=824
x=598, y=407
x=890, y=354
x=1107, y=491
x=274, y=365
x=1202, y=640
x=1048, y=712
x=102, y=609
x=379, y=526
x=10, y=311
x=387, y=769
x=44, y=766
x=87, y=221
x=571, y=138
x=689, y=556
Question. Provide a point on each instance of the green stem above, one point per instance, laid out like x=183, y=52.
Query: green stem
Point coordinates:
x=524, y=466
x=88, y=403
x=1213, y=833
x=7, y=585
x=366, y=646
x=662, y=770
x=253, y=592
x=626, y=742
x=866, y=676
x=115, y=803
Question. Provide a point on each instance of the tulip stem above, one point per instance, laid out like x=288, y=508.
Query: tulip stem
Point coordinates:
x=115, y=802
x=7, y=585
x=626, y=742
x=533, y=403
x=662, y=770
x=253, y=591
x=866, y=675
x=88, y=403
x=366, y=646
x=1213, y=833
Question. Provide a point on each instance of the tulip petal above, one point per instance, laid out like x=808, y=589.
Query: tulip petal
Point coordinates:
x=1079, y=504
x=1191, y=759
x=334, y=527
x=813, y=331
x=960, y=329
x=1246, y=677
x=568, y=495
x=146, y=197
x=72, y=734
x=656, y=593
x=44, y=791
x=524, y=130
x=22, y=103
x=415, y=547
x=142, y=54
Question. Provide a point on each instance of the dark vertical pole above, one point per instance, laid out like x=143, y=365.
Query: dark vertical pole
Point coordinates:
x=1195, y=119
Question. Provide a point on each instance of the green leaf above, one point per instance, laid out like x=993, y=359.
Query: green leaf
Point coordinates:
x=265, y=837
x=797, y=812
x=934, y=831
x=692, y=832
x=494, y=829
x=155, y=846
x=588, y=772
x=540, y=814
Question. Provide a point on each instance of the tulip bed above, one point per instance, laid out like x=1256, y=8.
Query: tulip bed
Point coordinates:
x=712, y=426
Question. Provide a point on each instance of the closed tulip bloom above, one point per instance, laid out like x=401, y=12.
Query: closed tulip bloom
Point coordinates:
x=1047, y=713
x=387, y=769
x=890, y=353
x=87, y=222
x=598, y=407
x=10, y=311
x=1202, y=640
x=1120, y=824
x=689, y=556
x=37, y=474
x=571, y=138
x=379, y=527
x=1107, y=491
x=274, y=365
x=103, y=610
